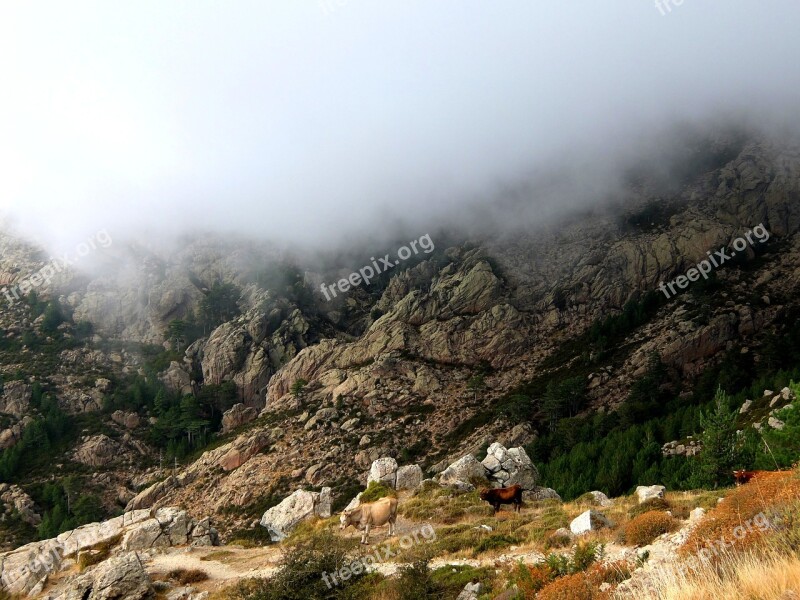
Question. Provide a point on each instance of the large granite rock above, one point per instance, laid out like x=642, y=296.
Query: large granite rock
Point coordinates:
x=462, y=473
x=236, y=416
x=587, y=521
x=97, y=451
x=383, y=470
x=14, y=499
x=299, y=506
x=506, y=467
x=119, y=578
x=408, y=477
x=649, y=492
x=25, y=569
x=15, y=399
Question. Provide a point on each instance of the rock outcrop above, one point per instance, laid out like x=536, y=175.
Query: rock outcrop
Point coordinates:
x=25, y=569
x=299, y=506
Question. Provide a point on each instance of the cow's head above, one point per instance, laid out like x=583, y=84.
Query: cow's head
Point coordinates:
x=484, y=493
x=346, y=519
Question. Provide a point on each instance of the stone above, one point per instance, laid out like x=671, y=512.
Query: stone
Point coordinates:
x=16, y=500
x=459, y=474
x=408, y=477
x=540, y=493
x=697, y=514
x=128, y=420
x=350, y=424
x=114, y=579
x=299, y=506
x=648, y=492
x=491, y=463
x=97, y=451
x=471, y=591
x=383, y=470
x=776, y=423
x=322, y=416
x=236, y=416
x=601, y=499
x=16, y=398
x=587, y=521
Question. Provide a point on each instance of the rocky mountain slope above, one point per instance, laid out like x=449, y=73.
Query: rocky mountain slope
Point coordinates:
x=436, y=359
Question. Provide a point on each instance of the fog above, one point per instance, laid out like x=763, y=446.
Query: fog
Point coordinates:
x=315, y=123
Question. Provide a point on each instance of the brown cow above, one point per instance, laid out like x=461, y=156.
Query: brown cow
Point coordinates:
x=498, y=496
x=741, y=476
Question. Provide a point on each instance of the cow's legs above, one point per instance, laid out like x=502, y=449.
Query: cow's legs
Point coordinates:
x=365, y=536
x=391, y=527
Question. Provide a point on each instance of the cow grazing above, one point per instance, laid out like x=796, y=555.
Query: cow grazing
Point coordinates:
x=371, y=515
x=741, y=476
x=498, y=496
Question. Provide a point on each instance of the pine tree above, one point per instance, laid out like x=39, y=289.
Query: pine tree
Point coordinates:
x=720, y=451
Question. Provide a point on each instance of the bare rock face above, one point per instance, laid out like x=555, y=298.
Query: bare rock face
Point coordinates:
x=128, y=420
x=409, y=477
x=14, y=499
x=176, y=379
x=26, y=569
x=97, y=451
x=16, y=399
x=236, y=416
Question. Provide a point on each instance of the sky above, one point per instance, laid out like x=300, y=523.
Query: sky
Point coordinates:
x=314, y=122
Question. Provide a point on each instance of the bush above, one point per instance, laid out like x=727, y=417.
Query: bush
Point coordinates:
x=493, y=542
x=557, y=540
x=530, y=579
x=648, y=506
x=571, y=587
x=300, y=576
x=187, y=576
x=645, y=528
x=377, y=490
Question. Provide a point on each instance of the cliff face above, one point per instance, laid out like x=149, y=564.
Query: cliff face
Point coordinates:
x=418, y=367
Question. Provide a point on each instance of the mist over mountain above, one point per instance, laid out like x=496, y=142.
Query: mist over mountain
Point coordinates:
x=311, y=126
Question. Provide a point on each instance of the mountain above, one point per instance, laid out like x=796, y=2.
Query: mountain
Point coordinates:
x=212, y=374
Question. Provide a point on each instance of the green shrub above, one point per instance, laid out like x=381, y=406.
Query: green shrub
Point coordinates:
x=649, y=505
x=377, y=490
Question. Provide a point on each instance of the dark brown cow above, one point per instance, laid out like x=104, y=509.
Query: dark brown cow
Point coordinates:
x=498, y=496
x=741, y=476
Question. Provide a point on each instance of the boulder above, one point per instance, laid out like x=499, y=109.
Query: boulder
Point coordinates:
x=243, y=449
x=510, y=466
x=16, y=398
x=471, y=591
x=776, y=423
x=600, y=498
x=383, y=470
x=128, y=420
x=745, y=408
x=459, y=474
x=300, y=505
x=648, y=492
x=118, y=578
x=97, y=451
x=697, y=514
x=236, y=416
x=540, y=493
x=408, y=477
x=14, y=500
x=322, y=416
x=176, y=379
x=587, y=521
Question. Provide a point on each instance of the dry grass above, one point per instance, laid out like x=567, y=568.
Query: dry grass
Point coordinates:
x=768, y=493
x=736, y=576
x=644, y=528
